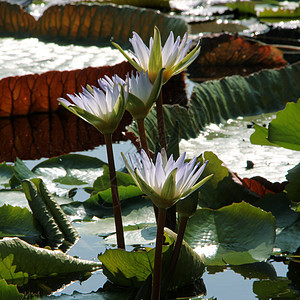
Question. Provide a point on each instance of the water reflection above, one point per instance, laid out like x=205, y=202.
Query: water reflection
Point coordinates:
x=48, y=135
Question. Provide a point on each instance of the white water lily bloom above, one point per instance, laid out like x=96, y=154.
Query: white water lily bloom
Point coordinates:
x=172, y=56
x=167, y=181
x=103, y=108
x=142, y=93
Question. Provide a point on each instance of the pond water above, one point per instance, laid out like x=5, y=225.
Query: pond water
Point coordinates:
x=230, y=141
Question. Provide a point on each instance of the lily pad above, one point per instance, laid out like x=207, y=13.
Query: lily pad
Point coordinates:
x=62, y=173
x=9, y=291
x=293, y=187
x=236, y=234
x=20, y=260
x=133, y=268
x=270, y=289
x=219, y=100
x=16, y=221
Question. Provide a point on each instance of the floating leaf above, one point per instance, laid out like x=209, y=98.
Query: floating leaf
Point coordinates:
x=293, y=187
x=133, y=268
x=99, y=23
x=280, y=12
x=9, y=291
x=272, y=289
x=17, y=221
x=6, y=172
x=56, y=226
x=262, y=186
x=218, y=100
x=24, y=260
x=283, y=131
x=126, y=186
x=244, y=7
x=13, y=19
x=22, y=95
x=260, y=136
x=236, y=234
x=226, y=55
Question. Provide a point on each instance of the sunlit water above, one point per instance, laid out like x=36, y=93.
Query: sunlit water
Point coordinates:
x=30, y=55
x=231, y=143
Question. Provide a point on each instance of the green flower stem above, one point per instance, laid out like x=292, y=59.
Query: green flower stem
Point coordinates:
x=161, y=122
x=114, y=192
x=175, y=255
x=142, y=133
x=158, y=254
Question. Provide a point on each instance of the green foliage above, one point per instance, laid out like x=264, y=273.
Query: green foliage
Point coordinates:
x=55, y=224
x=126, y=186
x=224, y=188
x=272, y=289
x=293, y=187
x=236, y=234
x=244, y=7
x=17, y=221
x=284, y=131
x=9, y=291
x=131, y=269
x=20, y=260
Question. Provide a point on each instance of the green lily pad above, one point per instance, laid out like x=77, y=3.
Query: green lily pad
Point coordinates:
x=126, y=187
x=293, y=187
x=274, y=289
x=19, y=260
x=224, y=187
x=284, y=131
x=260, y=136
x=9, y=291
x=6, y=172
x=236, y=234
x=133, y=268
x=17, y=221
x=61, y=173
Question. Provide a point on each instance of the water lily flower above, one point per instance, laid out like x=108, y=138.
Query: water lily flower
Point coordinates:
x=103, y=108
x=172, y=56
x=167, y=181
x=142, y=93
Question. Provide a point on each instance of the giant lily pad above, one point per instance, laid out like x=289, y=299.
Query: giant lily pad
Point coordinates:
x=218, y=100
x=236, y=234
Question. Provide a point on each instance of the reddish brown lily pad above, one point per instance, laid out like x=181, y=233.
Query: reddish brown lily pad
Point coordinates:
x=13, y=19
x=88, y=24
x=226, y=55
x=23, y=95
